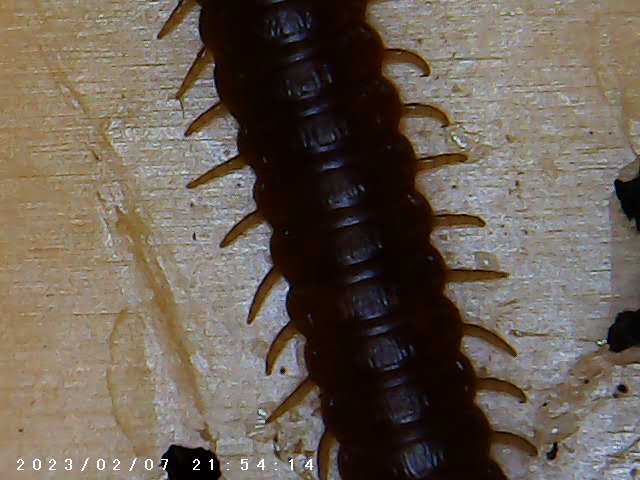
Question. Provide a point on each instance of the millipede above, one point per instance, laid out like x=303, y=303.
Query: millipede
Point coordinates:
x=319, y=125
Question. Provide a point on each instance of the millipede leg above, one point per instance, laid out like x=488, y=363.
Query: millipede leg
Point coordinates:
x=293, y=400
x=453, y=220
x=177, y=15
x=205, y=118
x=502, y=386
x=521, y=443
x=437, y=161
x=247, y=223
x=420, y=110
x=327, y=442
x=489, y=337
x=231, y=165
x=279, y=343
x=398, y=55
x=461, y=275
x=267, y=283
x=202, y=59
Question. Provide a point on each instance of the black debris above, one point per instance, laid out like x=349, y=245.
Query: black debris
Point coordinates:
x=191, y=463
x=625, y=331
x=553, y=453
x=629, y=195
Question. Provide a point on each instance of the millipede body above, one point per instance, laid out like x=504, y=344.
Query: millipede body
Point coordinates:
x=319, y=125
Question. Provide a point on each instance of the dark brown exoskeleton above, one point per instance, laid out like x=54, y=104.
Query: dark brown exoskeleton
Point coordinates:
x=319, y=126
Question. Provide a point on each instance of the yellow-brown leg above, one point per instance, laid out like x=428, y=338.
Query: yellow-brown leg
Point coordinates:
x=398, y=55
x=521, y=443
x=488, y=336
x=278, y=345
x=178, y=14
x=248, y=222
x=205, y=118
x=458, y=220
x=420, y=110
x=293, y=400
x=203, y=58
x=327, y=443
x=461, y=275
x=231, y=165
x=436, y=161
x=265, y=287
x=501, y=386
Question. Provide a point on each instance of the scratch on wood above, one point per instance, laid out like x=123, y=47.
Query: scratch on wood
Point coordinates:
x=130, y=225
x=133, y=414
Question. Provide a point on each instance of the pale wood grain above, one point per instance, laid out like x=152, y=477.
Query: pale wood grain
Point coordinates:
x=124, y=323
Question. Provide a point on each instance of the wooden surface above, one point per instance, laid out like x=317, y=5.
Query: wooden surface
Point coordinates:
x=123, y=326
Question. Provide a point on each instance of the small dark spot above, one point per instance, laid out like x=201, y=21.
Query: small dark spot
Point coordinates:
x=517, y=183
x=194, y=236
x=553, y=453
x=238, y=184
x=590, y=132
x=622, y=388
x=283, y=371
x=454, y=186
x=21, y=430
x=545, y=404
x=586, y=381
x=525, y=231
x=191, y=463
x=191, y=204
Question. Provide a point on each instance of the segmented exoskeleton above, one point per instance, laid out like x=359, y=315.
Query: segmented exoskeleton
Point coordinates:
x=319, y=126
